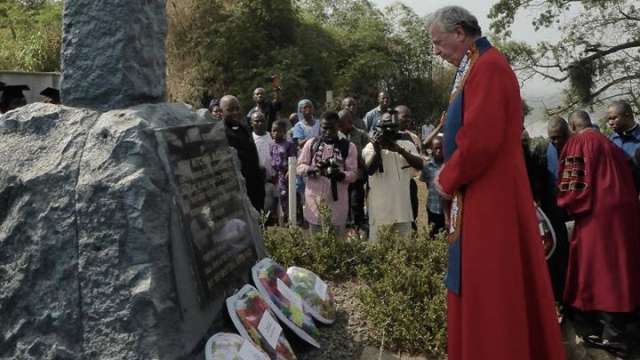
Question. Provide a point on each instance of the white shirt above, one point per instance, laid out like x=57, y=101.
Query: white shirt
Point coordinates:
x=262, y=144
x=389, y=200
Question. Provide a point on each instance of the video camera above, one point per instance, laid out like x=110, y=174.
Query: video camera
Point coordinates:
x=388, y=130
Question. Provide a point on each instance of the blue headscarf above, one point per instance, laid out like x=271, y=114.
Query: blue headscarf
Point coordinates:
x=301, y=103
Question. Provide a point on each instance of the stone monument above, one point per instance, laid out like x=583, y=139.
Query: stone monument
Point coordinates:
x=123, y=224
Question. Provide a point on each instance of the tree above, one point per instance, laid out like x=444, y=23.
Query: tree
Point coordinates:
x=347, y=46
x=598, y=53
x=382, y=50
x=30, y=34
x=217, y=47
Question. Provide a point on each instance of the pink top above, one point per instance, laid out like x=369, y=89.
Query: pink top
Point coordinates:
x=319, y=187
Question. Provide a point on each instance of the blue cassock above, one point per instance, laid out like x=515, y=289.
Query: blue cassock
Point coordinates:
x=453, y=123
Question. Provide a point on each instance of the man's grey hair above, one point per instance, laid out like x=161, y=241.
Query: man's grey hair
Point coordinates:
x=450, y=16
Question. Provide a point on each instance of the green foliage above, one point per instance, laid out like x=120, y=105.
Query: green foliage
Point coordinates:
x=218, y=47
x=30, y=33
x=603, y=125
x=324, y=253
x=598, y=52
x=403, y=295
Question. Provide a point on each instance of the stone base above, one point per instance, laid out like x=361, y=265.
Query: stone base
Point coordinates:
x=89, y=235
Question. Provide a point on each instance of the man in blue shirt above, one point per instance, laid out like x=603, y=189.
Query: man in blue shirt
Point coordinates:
x=547, y=152
x=435, y=212
x=626, y=132
x=372, y=118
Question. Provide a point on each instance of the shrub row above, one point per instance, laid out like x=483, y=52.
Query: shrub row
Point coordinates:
x=403, y=296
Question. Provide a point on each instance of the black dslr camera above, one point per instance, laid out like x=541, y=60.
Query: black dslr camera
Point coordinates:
x=388, y=130
x=329, y=166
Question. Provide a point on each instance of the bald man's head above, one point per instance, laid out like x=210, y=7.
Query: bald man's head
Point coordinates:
x=349, y=103
x=230, y=110
x=345, y=123
x=558, y=131
x=404, y=117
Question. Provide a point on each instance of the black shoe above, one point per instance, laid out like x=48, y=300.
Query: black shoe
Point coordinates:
x=614, y=347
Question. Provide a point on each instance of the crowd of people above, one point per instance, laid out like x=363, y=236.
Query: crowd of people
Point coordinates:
x=344, y=162
x=12, y=96
x=502, y=296
x=578, y=174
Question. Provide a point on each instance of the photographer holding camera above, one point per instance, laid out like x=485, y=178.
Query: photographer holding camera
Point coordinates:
x=329, y=164
x=388, y=159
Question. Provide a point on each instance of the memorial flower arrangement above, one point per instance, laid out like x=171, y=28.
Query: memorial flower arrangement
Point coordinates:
x=247, y=310
x=289, y=309
x=315, y=294
x=227, y=346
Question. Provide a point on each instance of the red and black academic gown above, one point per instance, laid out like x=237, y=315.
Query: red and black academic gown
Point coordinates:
x=597, y=189
x=503, y=308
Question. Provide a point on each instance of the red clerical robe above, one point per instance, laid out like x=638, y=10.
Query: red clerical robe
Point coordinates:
x=597, y=189
x=505, y=309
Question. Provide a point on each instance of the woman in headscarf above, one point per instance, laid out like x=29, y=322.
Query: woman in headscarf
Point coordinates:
x=307, y=127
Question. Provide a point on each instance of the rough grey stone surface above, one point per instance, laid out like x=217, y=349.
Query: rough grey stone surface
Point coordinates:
x=87, y=231
x=39, y=297
x=113, y=53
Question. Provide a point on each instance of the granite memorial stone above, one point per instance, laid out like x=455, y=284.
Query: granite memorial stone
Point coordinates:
x=116, y=241
x=113, y=53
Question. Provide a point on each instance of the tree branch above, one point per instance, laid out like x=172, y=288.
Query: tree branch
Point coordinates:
x=612, y=83
x=561, y=109
x=556, y=79
x=611, y=50
x=627, y=16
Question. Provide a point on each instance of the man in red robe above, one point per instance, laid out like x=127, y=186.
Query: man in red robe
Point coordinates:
x=500, y=303
x=597, y=189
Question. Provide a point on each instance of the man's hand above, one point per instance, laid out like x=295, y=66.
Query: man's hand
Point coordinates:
x=375, y=140
x=336, y=175
x=276, y=81
x=439, y=189
x=395, y=148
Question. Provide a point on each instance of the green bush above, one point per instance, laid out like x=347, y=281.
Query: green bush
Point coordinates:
x=403, y=296
x=324, y=254
x=30, y=34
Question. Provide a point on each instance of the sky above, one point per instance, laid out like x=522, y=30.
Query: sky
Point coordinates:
x=537, y=92
x=523, y=31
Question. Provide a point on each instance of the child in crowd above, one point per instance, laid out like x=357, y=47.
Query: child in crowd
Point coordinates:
x=262, y=139
x=280, y=150
x=435, y=212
